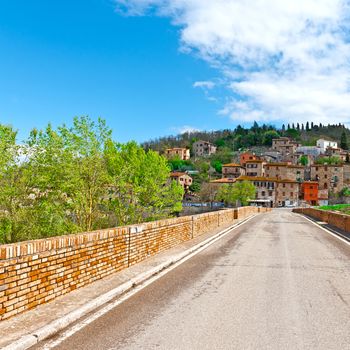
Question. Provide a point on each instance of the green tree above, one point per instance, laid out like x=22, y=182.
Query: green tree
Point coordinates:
x=344, y=141
x=217, y=165
x=240, y=191
x=139, y=184
x=333, y=160
x=269, y=136
x=304, y=160
x=14, y=190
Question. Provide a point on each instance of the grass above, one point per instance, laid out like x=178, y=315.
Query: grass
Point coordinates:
x=344, y=208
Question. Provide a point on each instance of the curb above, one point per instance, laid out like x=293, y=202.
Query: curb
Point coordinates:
x=29, y=340
x=326, y=228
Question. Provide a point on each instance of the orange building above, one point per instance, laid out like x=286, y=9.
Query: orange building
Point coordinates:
x=244, y=157
x=309, y=190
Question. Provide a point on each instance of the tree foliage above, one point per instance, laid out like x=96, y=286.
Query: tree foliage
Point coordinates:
x=304, y=160
x=239, y=192
x=76, y=178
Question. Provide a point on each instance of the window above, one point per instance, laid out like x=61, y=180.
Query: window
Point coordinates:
x=325, y=186
x=291, y=194
x=283, y=193
x=270, y=193
x=284, y=185
x=263, y=193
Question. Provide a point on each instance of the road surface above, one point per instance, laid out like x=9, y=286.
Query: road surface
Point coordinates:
x=276, y=282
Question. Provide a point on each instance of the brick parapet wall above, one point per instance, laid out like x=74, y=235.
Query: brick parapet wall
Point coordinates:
x=338, y=220
x=35, y=272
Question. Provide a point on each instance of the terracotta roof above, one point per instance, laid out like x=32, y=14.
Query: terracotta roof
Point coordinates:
x=277, y=164
x=232, y=165
x=255, y=161
x=287, y=181
x=223, y=181
x=177, y=174
x=174, y=148
x=257, y=178
x=320, y=165
x=295, y=166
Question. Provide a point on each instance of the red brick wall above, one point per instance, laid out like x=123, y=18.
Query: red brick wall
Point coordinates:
x=35, y=272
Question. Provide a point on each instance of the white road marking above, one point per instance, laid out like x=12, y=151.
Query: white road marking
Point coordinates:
x=77, y=327
x=327, y=230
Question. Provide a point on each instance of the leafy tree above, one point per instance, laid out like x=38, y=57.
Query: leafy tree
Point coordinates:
x=217, y=165
x=220, y=143
x=195, y=187
x=176, y=163
x=333, y=160
x=269, y=136
x=293, y=133
x=139, y=185
x=240, y=191
x=344, y=141
x=304, y=160
x=14, y=190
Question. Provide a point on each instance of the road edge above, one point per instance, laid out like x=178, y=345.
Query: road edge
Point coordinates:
x=334, y=234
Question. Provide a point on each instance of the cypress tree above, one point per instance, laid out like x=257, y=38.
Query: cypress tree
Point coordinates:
x=343, y=141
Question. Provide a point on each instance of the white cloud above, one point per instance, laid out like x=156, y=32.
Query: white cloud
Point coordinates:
x=280, y=59
x=185, y=129
x=204, y=84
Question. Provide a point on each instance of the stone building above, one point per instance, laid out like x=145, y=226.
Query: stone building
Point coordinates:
x=232, y=170
x=287, y=193
x=255, y=167
x=285, y=171
x=329, y=177
x=286, y=147
x=265, y=189
x=182, y=153
x=203, y=149
x=182, y=179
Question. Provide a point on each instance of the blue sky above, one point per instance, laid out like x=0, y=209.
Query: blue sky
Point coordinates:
x=65, y=58
x=156, y=67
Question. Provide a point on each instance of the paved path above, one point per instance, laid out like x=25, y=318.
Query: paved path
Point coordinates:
x=277, y=282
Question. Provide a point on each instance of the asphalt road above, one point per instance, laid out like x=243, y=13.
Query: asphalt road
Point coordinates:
x=276, y=282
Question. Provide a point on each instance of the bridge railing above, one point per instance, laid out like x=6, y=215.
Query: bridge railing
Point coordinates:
x=35, y=272
x=337, y=220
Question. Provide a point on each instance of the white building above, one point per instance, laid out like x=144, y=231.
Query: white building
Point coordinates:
x=324, y=144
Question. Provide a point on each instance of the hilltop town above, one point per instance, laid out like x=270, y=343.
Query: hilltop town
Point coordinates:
x=285, y=174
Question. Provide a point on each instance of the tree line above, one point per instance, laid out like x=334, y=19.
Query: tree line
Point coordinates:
x=77, y=178
x=257, y=135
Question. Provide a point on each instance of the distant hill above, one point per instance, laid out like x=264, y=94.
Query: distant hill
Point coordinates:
x=255, y=136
